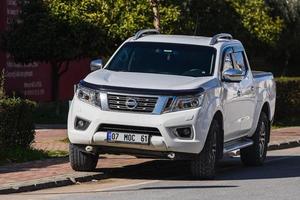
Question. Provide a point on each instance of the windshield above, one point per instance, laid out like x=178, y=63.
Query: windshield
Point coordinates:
x=164, y=58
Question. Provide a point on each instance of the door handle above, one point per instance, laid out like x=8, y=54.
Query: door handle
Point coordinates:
x=239, y=93
x=252, y=88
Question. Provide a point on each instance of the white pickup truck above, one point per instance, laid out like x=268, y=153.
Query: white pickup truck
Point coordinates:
x=175, y=97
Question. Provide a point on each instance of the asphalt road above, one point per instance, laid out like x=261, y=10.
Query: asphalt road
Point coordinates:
x=278, y=179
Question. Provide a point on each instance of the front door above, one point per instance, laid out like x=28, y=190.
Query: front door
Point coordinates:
x=232, y=104
x=247, y=91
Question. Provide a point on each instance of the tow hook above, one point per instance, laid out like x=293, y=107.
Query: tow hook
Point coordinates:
x=171, y=155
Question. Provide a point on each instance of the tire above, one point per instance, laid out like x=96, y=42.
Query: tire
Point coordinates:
x=256, y=154
x=80, y=160
x=203, y=166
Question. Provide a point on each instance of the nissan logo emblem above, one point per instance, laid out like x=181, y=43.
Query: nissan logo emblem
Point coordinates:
x=131, y=103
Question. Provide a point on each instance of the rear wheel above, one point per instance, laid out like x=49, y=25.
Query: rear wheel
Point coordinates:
x=256, y=154
x=80, y=160
x=203, y=167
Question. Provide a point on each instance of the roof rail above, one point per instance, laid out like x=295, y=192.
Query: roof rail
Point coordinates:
x=144, y=32
x=216, y=38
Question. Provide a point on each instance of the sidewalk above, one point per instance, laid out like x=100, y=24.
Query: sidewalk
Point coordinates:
x=57, y=172
x=285, y=138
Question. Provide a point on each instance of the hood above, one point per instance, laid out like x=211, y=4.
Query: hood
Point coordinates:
x=145, y=80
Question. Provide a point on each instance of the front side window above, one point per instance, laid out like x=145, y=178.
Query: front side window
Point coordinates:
x=228, y=63
x=239, y=61
x=164, y=58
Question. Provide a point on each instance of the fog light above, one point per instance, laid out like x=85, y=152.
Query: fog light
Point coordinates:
x=184, y=132
x=81, y=124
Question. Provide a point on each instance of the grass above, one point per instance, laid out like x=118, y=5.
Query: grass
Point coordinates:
x=285, y=78
x=66, y=140
x=18, y=155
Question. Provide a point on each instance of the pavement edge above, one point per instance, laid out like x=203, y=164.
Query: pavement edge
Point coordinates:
x=59, y=182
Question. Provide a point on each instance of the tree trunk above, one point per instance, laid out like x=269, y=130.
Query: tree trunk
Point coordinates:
x=55, y=85
x=55, y=80
x=156, y=17
x=286, y=63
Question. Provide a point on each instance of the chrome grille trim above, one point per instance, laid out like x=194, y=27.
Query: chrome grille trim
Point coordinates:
x=144, y=103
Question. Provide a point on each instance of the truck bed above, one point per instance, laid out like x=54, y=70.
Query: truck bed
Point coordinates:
x=261, y=74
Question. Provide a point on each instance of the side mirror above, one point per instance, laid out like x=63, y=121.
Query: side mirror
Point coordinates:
x=96, y=64
x=233, y=75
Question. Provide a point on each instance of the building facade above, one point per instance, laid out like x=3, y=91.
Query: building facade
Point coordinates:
x=33, y=81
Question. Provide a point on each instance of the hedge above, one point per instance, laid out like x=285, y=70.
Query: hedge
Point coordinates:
x=16, y=123
x=288, y=102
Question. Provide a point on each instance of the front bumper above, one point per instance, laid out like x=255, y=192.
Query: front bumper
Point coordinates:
x=167, y=142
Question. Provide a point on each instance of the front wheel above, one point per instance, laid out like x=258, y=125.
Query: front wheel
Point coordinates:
x=256, y=154
x=81, y=160
x=203, y=166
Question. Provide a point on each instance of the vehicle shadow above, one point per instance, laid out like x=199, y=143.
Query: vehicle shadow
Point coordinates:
x=228, y=169
x=19, y=167
x=276, y=167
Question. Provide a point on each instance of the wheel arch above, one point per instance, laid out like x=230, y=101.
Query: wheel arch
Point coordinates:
x=220, y=138
x=266, y=109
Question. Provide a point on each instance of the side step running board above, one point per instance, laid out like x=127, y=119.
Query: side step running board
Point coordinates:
x=237, y=144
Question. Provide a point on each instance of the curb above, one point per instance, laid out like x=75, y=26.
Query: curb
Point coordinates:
x=284, y=145
x=50, y=183
x=71, y=179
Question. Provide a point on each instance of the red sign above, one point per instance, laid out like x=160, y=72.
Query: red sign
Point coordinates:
x=33, y=81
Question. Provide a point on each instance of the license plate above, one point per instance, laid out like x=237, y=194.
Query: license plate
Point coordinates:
x=128, y=137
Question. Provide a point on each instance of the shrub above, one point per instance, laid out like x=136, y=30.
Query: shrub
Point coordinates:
x=288, y=101
x=16, y=123
x=51, y=113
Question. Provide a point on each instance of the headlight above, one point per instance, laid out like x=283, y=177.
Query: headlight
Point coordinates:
x=185, y=103
x=89, y=96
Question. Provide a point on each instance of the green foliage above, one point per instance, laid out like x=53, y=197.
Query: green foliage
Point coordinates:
x=285, y=57
x=45, y=113
x=16, y=123
x=255, y=18
x=59, y=30
x=249, y=21
x=57, y=153
x=19, y=154
x=55, y=31
x=118, y=19
x=288, y=101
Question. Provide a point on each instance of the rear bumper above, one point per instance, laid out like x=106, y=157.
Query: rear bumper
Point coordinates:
x=165, y=143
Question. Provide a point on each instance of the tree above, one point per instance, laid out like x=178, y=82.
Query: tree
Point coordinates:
x=244, y=19
x=39, y=36
x=286, y=54
x=255, y=17
x=58, y=31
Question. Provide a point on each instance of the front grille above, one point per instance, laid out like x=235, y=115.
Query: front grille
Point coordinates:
x=129, y=129
x=120, y=103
